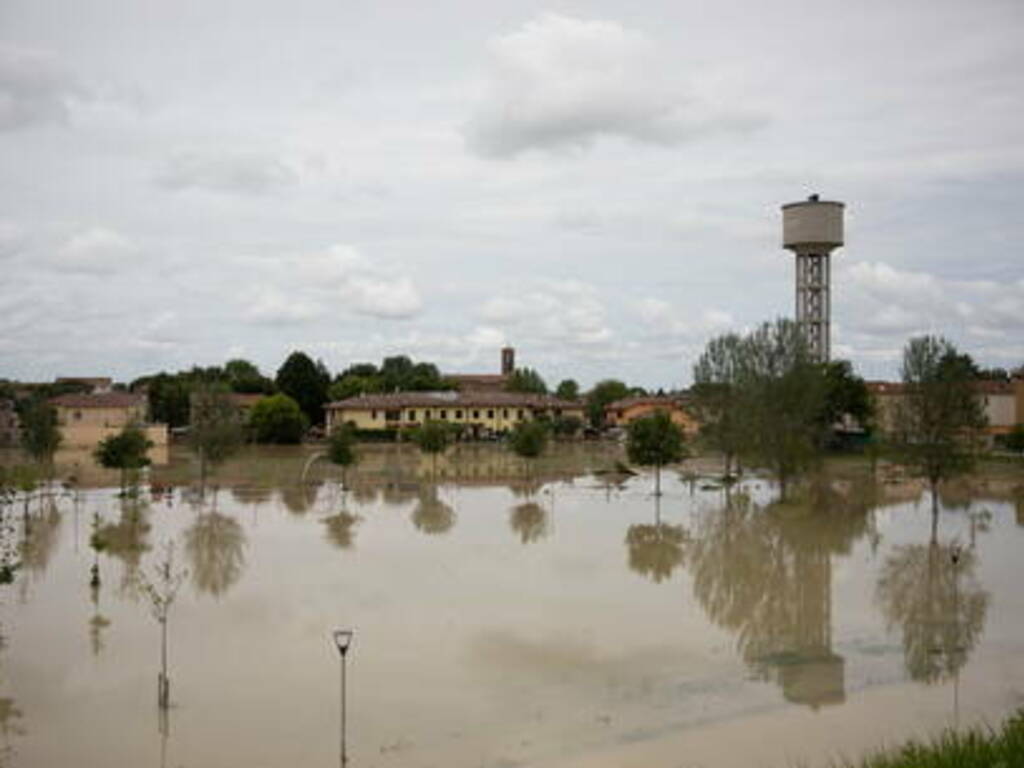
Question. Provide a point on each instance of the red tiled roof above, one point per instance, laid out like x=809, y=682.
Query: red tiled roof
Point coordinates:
x=102, y=400
x=982, y=386
x=450, y=400
x=655, y=400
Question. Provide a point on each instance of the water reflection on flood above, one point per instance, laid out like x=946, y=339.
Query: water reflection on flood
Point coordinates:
x=503, y=614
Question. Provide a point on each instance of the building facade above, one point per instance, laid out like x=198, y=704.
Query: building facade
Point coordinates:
x=622, y=413
x=85, y=420
x=480, y=412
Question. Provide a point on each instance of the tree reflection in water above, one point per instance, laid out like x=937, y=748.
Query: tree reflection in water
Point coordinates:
x=127, y=539
x=215, y=547
x=765, y=573
x=431, y=515
x=97, y=623
x=341, y=528
x=299, y=498
x=40, y=540
x=656, y=550
x=529, y=520
x=931, y=593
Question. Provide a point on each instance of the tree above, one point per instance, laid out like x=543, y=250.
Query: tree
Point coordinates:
x=567, y=389
x=1015, y=440
x=529, y=439
x=526, y=380
x=846, y=394
x=341, y=449
x=306, y=383
x=654, y=441
x=566, y=426
x=433, y=438
x=782, y=395
x=716, y=396
x=215, y=432
x=278, y=419
x=604, y=393
x=245, y=377
x=938, y=419
x=40, y=436
x=126, y=451
x=168, y=397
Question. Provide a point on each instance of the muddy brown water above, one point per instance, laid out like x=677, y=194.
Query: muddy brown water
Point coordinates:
x=504, y=615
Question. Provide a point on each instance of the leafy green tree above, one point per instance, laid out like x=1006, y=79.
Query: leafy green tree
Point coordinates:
x=529, y=439
x=717, y=396
x=395, y=372
x=654, y=441
x=782, y=396
x=566, y=426
x=603, y=394
x=526, y=380
x=341, y=449
x=306, y=383
x=433, y=437
x=40, y=435
x=168, y=396
x=846, y=394
x=938, y=418
x=1015, y=440
x=278, y=419
x=126, y=451
x=245, y=377
x=351, y=385
x=567, y=389
x=216, y=431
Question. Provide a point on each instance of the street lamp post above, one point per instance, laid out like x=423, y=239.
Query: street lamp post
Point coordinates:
x=342, y=640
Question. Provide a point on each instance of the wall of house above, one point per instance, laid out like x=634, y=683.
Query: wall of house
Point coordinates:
x=1001, y=412
x=100, y=417
x=88, y=435
x=496, y=419
x=679, y=417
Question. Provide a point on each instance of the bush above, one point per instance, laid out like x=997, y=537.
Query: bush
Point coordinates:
x=529, y=439
x=278, y=419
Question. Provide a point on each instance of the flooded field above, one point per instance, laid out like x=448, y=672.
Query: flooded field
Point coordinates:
x=504, y=615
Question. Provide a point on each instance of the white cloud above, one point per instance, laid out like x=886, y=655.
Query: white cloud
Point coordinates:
x=561, y=81
x=666, y=319
x=272, y=307
x=12, y=239
x=569, y=312
x=232, y=172
x=95, y=251
x=35, y=89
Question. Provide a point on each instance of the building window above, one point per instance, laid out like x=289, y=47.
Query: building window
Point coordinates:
x=504, y=413
x=373, y=415
x=78, y=415
x=444, y=414
x=392, y=415
x=476, y=414
x=458, y=414
x=490, y=414
x=412, y=415
x=519, y=414
x=426, y=414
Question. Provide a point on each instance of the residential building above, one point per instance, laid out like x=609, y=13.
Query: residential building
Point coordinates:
x=86, y=419
x=480, y=412
x=622, y=413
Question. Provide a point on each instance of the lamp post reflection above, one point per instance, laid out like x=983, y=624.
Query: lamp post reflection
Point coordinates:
x=342, y=640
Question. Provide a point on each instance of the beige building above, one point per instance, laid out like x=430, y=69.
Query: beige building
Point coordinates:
x=85, y=420
x=480, y=412
x=1002, y=401
x=623, y=412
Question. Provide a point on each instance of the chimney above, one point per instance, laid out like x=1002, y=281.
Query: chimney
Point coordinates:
x=508, y=361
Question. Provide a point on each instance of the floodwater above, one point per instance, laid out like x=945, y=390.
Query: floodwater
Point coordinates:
x=504, y=615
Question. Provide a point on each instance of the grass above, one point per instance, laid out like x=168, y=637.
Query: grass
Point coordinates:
x=974, y=748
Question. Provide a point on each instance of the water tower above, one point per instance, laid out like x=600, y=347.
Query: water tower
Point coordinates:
x=812, y=229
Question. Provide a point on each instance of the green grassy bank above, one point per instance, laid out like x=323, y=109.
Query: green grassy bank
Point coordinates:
x=975, y=748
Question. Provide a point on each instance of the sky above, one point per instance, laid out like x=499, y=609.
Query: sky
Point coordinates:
x=597, y=184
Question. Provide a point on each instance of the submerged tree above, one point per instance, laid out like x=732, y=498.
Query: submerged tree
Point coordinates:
x=161, y=590
x=126, y=451
x=278, y=419
x=431, y=515
x=341, y=449
x=654, y=441
x=433, y=438
x=40, y=435
x=306, y=383
x=938, y=418
x=716, y=396
x=215, y=432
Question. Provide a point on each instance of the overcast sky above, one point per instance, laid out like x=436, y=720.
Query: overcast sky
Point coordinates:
x=595, y=183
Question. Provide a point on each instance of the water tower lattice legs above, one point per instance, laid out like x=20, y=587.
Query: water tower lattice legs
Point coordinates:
x=813, y=306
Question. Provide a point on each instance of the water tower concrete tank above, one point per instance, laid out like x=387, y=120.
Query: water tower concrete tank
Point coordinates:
x=812, y=229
